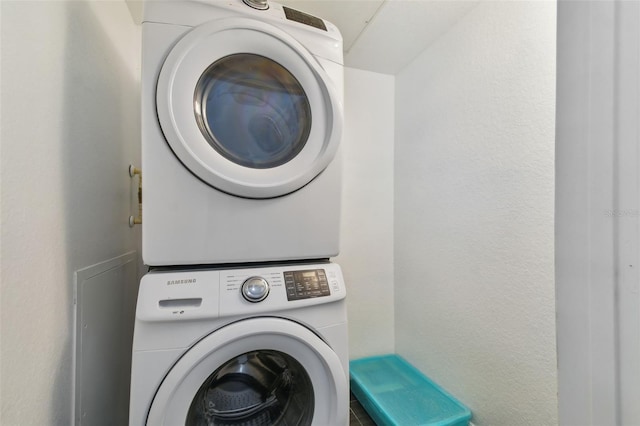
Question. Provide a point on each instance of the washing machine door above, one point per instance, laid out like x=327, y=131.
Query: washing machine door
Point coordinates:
x=261, y=371
x=247, y=109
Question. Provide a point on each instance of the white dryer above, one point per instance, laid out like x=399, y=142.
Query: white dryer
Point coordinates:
x=259, y=346
x=241, y=123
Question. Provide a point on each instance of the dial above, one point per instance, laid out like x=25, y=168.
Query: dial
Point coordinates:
x=255, y=289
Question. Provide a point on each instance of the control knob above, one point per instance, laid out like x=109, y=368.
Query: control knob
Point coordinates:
x=255, y=289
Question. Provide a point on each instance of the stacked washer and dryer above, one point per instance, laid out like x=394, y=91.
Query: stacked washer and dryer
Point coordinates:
x=241, y=319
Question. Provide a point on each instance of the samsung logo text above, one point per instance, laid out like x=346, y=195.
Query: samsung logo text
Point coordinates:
x=174, y=282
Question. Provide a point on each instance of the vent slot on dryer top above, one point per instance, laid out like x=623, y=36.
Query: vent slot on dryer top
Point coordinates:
x=303, y=18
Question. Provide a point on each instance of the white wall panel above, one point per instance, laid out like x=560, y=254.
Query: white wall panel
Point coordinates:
x=597, y=212
x=104, y=298
x=366, y=249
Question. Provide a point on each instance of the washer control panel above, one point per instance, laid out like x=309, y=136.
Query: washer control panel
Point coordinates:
x=213, y=293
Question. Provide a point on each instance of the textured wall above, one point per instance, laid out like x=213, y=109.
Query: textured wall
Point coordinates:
x=69, y=96
x=366, y=249
x=474, y=191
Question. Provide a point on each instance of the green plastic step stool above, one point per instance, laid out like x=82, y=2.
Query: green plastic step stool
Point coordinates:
x=393, y=392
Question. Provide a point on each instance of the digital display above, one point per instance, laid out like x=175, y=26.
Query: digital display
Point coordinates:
x=303, y=18
x=306, y=284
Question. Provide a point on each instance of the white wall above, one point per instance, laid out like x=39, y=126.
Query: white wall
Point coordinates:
x=69, y=96
x=474, y=194
x=366, y=249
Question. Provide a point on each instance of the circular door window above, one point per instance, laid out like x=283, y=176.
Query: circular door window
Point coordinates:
x=252, y=110
x=247, y=109
x=258, y=371
x=263, y=387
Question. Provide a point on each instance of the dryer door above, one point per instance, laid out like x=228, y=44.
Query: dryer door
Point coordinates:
x=248, y=109
x=261, y=371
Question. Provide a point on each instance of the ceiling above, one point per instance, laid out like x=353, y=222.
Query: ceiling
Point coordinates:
x=386, y=35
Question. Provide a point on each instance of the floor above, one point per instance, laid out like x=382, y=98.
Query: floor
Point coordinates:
x=357, y=415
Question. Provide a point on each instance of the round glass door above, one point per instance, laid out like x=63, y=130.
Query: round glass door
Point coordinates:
x=263, y=387
x=252, y=110
x=247, y=109
x=258, y=371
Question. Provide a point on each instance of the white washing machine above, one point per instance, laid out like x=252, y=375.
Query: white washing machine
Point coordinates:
x=259, y=346
x=241, y=123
